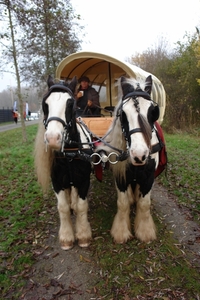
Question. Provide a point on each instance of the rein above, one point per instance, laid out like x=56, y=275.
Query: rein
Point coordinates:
x=123, y=154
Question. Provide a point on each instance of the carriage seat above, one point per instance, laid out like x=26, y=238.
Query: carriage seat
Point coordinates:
x=109, y=109
x=98, y=126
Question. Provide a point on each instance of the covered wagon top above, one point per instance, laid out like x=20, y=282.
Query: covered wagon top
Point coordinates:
x=104, y=72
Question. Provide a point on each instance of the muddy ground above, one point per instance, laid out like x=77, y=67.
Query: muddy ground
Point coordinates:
x=73, y=274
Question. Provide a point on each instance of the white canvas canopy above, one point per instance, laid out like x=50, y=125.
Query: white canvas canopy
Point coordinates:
x=104, y=72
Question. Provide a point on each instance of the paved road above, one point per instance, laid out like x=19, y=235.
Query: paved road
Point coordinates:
x=13, y=125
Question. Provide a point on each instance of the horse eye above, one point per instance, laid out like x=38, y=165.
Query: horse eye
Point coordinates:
x=125, y=122
x=153, y=114
x=45, y=108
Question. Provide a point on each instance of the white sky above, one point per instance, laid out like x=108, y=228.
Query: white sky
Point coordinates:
x=123, y=27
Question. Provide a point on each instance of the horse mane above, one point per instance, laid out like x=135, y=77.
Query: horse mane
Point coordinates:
x=146, y=129
x=42, y=158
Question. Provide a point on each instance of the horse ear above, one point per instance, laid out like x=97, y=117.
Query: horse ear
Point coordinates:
x=73, y=84
x=148, y=84
x=123, y=79
x=126, y=87
x=50, y=81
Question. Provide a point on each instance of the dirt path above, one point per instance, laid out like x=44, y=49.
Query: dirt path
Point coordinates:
x=71, y=275
x=179, y=221
x=61, y=274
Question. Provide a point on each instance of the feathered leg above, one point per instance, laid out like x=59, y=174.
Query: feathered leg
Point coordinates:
x=83, y=229
x=145, y=229
x=121, y=227
x=66, y=234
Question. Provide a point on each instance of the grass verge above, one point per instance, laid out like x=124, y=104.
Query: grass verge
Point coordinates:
x=23, y=210
x=159, y=270
x=183, y=179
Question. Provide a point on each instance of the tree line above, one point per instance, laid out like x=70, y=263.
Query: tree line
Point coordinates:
x=36, y=35
x=179, y=71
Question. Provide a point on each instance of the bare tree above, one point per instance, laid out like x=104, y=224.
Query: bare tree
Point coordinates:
x=13, y=53
x=40, y=34
x=49, y=35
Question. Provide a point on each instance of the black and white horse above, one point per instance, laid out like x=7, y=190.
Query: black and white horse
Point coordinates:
x=132, y=136
x=62, y=147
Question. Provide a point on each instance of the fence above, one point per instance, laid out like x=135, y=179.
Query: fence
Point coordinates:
x=6, y=115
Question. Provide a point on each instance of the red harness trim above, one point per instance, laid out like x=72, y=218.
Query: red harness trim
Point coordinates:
x=162, y=153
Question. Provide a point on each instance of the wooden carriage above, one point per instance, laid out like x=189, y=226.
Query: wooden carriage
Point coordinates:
x=104, y=72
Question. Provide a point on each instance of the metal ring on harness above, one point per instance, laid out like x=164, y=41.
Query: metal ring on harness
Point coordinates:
x=104, y=158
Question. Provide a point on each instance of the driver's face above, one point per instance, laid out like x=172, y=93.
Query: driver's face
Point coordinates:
x=84, y=84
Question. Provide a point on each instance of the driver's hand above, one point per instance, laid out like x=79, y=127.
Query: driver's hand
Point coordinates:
x=89, y=103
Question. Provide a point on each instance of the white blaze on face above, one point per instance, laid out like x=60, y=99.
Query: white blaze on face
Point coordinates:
x=139, y=150
x=56, y=106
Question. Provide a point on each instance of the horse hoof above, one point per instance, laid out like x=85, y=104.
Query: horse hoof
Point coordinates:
x=83, y=243
x=67, y=246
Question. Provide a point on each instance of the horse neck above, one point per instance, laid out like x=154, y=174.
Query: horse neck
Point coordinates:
x=116, y=136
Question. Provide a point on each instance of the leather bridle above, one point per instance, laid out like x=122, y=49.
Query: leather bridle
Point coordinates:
x=56, y=88
x=134, y=97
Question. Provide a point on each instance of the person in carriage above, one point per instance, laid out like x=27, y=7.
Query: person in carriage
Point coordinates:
x=87, y=99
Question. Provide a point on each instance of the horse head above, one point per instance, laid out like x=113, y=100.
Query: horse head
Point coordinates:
x=58, y=108
x=137, y=114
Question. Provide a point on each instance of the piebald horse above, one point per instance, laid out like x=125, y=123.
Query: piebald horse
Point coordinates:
x=132, y=136
x=62, y=147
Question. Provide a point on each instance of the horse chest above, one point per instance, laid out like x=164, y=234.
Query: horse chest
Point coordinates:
x=141, y=175
x=66, y=173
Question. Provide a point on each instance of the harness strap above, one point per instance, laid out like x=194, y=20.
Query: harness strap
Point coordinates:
x=54, y=119
x=137, y=94
x=56, y=87
x=134, y=131
x=156, y=148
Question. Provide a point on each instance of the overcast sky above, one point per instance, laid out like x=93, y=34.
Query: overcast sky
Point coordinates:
x=122, y=28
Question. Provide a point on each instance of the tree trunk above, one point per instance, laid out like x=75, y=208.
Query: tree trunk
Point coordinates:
x=19, y=94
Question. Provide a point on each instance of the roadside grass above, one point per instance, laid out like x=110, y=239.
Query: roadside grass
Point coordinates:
x=183, y=175
x=22, y=207
x=6, y=123
x=159, y=270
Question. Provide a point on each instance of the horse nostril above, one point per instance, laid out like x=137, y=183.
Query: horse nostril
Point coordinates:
x=140, y=160
x=143, y=157
x=137, y=160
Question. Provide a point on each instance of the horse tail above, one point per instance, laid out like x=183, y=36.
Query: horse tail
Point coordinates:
x=42, y=159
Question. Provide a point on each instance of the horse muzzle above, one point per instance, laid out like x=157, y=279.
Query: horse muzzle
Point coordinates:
x=53, y=141
x=139, y=159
